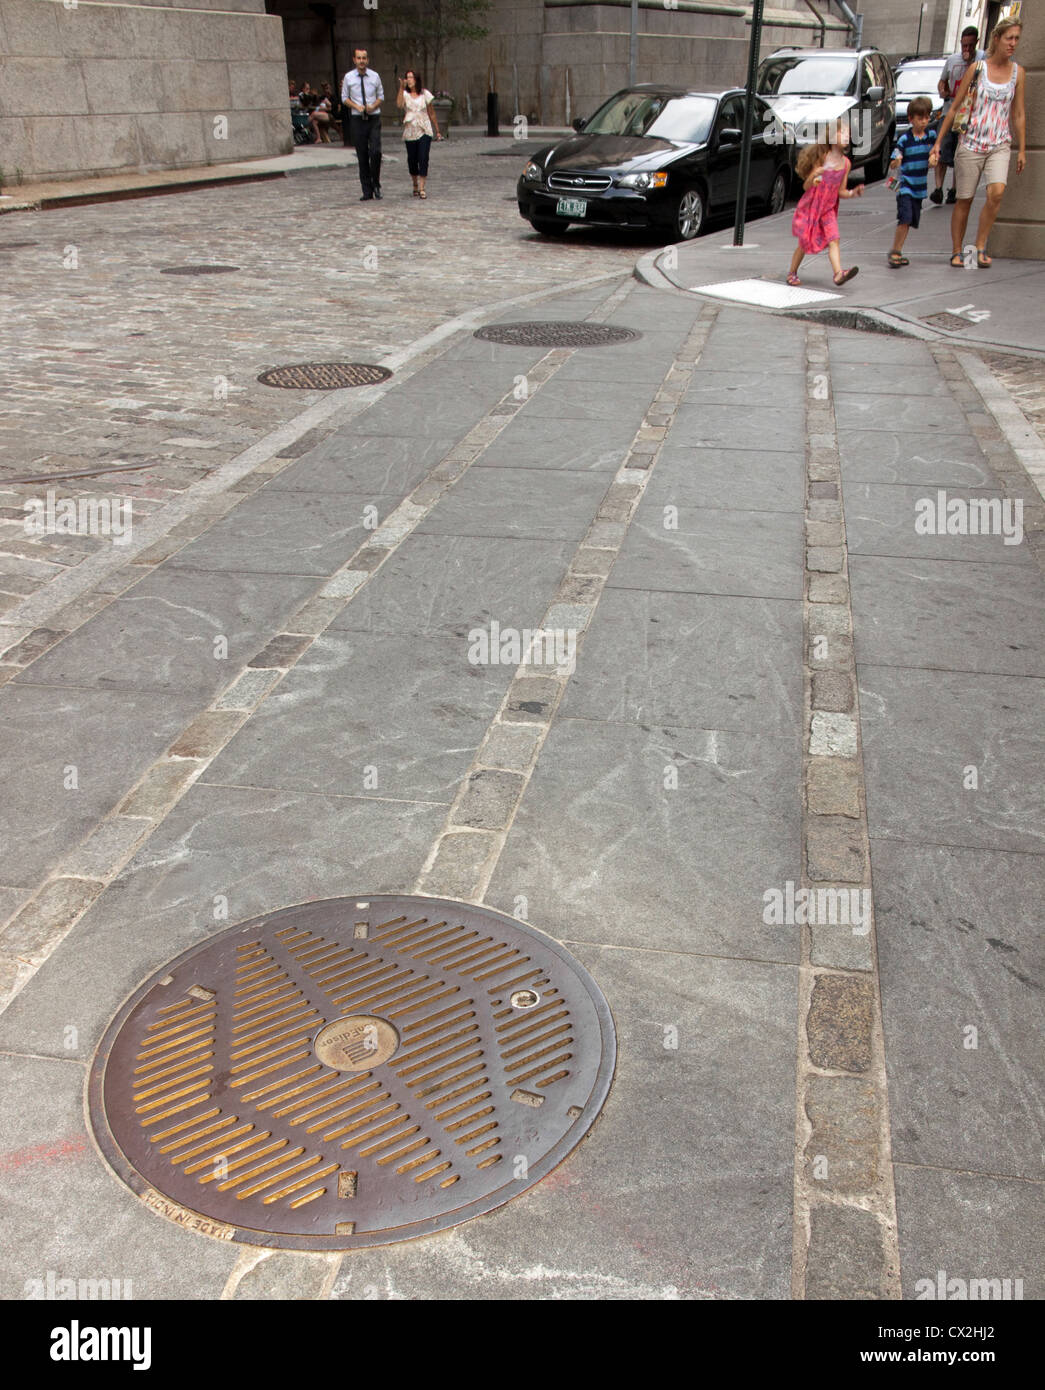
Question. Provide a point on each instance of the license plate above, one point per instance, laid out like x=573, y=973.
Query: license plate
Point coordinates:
x=571, y=207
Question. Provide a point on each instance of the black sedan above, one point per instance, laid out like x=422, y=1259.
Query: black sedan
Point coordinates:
x=654, y=157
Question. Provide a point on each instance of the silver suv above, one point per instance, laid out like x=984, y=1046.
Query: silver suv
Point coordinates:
x=808, y=89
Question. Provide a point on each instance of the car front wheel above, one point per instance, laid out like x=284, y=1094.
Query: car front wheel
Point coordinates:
x=549, y=226
x=689, y=214
x=778, y=193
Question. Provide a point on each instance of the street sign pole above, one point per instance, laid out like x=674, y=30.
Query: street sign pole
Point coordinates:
x=749, y=122
x=633, y=44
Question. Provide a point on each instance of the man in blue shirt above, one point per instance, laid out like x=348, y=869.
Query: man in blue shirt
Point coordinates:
x=361, y=97
x=909, y=172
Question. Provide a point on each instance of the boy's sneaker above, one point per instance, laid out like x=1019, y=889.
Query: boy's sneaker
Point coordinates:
x=936, y=196
x=952, y=196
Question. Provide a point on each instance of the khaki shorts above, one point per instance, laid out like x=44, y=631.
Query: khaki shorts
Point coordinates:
x=993, y=167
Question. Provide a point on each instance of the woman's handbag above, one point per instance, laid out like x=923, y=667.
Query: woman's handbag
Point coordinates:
x=961, y=116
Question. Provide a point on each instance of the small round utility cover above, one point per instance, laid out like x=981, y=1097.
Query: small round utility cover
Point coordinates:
x=324, y=376
x=351, y=1072
x=554, y=333
x=204, y=269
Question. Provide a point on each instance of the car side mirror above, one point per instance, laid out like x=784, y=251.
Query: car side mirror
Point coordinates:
x=579, y=123
x=875, y=93
x=730, y=136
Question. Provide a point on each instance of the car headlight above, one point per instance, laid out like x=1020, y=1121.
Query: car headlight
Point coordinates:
x=642, y=181
x=533, y=173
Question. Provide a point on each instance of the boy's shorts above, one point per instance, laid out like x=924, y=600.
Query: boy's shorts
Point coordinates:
x=908, y=210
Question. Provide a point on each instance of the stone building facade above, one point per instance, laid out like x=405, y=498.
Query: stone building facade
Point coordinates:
x=88, y=87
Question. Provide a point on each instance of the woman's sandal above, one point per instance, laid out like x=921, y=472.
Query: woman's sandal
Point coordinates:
x=846, y=275
x=417, y=193
x=983, y=261
x=957, y=261
x=793, y=279
x=896, y=260
x=422, y=194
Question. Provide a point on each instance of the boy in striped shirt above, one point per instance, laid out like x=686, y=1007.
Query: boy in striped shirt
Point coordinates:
x=910, y=171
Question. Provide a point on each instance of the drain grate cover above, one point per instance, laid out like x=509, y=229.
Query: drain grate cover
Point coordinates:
x=555, y=333
x=952, y=322
x=351, y=1072
x=324, y=376
x=198, y=269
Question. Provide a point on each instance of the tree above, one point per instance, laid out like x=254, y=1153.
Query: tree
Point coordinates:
x=429, y=25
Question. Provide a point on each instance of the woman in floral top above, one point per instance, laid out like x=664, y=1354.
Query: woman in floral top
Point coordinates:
x=986, y=143
x=420, y=123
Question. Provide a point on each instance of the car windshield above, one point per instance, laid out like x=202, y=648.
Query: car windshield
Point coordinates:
x=918, y=81
x=800, y=76
x=645, y=113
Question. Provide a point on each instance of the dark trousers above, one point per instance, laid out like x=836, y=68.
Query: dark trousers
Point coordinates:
x=366, y=137
x=417, y=156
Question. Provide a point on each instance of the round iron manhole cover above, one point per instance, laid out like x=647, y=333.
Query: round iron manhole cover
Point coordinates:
x=324, y=376
x=555, y=333
x=352, y=1072
x=198, y=269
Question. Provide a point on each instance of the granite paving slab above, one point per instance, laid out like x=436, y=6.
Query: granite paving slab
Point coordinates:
x=171, y=631
x=740, y=479
x=881, y=519
x=926, y=734
x=69, y=755
x=962, y=971
x=935, y=460
x=949, y=616
x=352, y=462
x=698, y=660
x=505, y=502
x=366, y=714
x=451, y=584
x=684, y=831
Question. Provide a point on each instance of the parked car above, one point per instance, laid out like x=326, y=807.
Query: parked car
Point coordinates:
x=919, y=77
x=653, y=157
x=808, y=89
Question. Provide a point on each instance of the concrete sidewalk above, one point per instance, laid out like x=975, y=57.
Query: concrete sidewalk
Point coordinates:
x=996, y=308
x=779, y=685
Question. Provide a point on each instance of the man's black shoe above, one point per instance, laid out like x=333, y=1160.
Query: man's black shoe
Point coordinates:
x=936, y=196
x=378, y=193
x=951, y=195
x=366, y=198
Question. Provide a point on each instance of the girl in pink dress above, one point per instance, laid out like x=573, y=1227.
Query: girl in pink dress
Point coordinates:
x=824, y=170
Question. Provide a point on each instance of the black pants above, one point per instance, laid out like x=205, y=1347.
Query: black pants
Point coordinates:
x=366, y=137
x=417, y=156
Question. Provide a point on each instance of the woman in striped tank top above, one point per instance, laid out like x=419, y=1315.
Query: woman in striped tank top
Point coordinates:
x=986, y=144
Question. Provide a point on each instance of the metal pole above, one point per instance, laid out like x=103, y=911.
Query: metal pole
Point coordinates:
x=633, y=44
x=749, y=122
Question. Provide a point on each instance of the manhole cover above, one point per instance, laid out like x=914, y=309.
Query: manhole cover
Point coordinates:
x=552, y=333
x=324, y=376
x=952, y=322
x=351, y=1072
x=198, y=269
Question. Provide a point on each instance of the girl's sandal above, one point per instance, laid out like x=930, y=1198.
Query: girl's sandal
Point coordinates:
x=793, y=279
x=957, y=261
x=896, y=260
x=983, y=261
x=846, y=275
